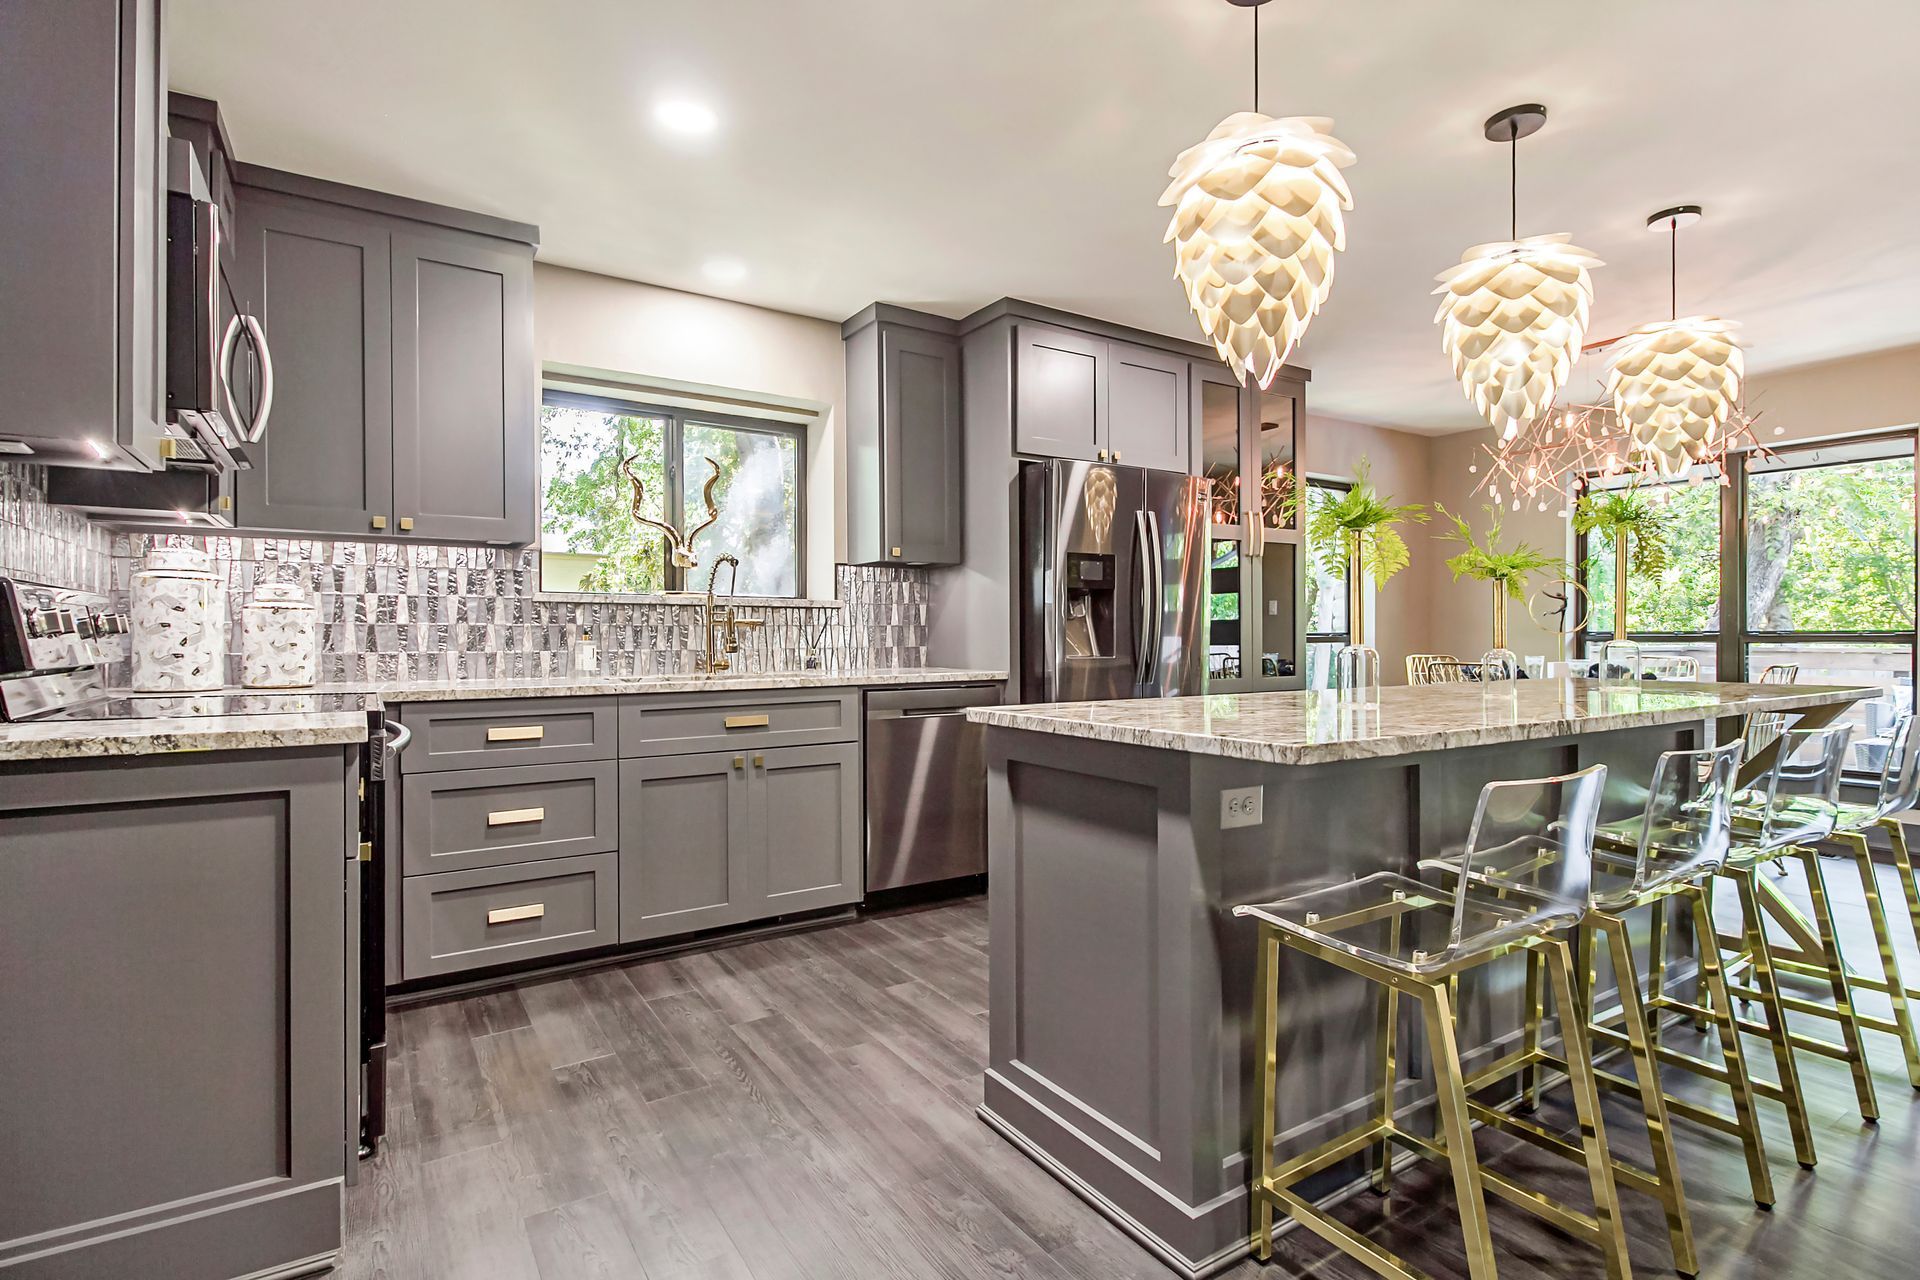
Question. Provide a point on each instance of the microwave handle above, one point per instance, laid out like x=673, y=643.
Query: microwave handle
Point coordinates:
x=258, y=427
x=224, y=363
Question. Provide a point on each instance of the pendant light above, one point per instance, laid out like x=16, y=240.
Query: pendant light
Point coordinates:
x=1257, y=218
x=1675, y=383
x=1514, y=312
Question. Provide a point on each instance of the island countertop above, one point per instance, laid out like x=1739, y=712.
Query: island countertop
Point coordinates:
x=1315, y=727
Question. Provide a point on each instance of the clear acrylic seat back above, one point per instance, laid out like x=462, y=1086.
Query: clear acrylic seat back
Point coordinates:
x=1685, y=826
x=1797, y=802
x=1535, y=832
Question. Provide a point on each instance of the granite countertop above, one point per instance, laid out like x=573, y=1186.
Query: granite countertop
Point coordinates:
x=1314, y=728
x=334, y=724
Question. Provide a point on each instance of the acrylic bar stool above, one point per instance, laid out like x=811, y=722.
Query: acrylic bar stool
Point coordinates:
x=1418, y=663
x=1792, y=809
x=1679, y=839
x=1898, y=791
x=1413, y=940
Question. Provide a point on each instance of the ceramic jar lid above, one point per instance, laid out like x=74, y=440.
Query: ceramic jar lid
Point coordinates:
x=290, y=595
x=178, y=560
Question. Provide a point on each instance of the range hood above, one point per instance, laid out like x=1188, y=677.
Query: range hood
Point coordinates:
x=186, y=499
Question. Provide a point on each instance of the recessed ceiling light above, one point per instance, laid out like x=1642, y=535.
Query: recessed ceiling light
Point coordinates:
x=685, y=117
x=725, y=270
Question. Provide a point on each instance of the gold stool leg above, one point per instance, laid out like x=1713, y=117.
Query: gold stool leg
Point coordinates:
x=1586, y=1107
x=1733, y=1054
x=1656, y=965
x=1265, y=1023
x=1903, y=860
x=1653, y=1103
x=1842, y=985
x=1753, y=925
x=1535, y=1013
x=1450, y=1096
x=1386, y=1027
x=1889, y=961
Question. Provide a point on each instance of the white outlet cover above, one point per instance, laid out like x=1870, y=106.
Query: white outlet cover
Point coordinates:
x=1242, y=807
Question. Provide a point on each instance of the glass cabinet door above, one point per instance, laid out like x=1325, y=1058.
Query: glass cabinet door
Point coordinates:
x=1249, y=446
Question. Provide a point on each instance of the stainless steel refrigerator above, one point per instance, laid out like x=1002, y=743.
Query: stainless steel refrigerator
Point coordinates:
x=1112, y=590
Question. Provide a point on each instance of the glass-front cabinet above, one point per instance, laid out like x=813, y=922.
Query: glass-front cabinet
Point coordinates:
x=1248, y=448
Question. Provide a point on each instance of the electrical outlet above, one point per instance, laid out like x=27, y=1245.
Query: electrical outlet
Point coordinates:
x=1241, y=807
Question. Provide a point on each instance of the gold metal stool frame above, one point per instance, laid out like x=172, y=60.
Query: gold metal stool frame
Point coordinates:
x=1273, y=1184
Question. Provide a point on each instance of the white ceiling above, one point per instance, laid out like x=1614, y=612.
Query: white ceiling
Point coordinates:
x=946, y=154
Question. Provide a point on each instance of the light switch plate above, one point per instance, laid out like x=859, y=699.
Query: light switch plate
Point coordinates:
x=1242, y=807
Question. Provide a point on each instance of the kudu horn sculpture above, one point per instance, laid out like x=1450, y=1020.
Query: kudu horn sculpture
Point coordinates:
x=679, y=545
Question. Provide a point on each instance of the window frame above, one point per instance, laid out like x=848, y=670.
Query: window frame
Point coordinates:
x=1344, y=636
x=674, y=420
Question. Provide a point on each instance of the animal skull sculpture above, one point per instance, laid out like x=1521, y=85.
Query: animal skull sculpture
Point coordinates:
x=679, y=546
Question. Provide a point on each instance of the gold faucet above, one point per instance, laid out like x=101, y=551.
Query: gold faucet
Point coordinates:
x=726, y=618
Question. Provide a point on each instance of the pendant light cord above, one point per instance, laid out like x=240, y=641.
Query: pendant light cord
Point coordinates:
x=1673, y=267
x=1256, y=59
x=1513, y=182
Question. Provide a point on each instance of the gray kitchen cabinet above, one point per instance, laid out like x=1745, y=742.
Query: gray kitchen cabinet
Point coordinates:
x=401, y=336
x=905, y=490
x=82, y=230
x=463, y=920
x=1060, y=393
x=176, y=1012
x=726, y=838
x=321, y=279
x=464, y=451
x=1147, y=423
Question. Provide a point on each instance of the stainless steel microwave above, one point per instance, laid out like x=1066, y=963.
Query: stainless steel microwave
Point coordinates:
x=219, y=367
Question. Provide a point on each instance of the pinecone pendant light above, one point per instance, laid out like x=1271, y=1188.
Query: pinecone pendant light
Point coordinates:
x=1674, y=383
x=1257, y=217
x=1514, y=312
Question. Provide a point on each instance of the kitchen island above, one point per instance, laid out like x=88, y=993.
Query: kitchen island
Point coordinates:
x=1122, y=834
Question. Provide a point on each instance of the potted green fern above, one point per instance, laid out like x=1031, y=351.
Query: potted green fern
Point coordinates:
x=1506, y=570
x=1360, y=526
x=1638, y=531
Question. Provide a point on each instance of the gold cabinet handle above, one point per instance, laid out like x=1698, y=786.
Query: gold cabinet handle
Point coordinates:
x=507, y=915
x=739, y=762
x=745, y=722
x=759, y=762
x=379, y=522
x=406, y=522
x=1102, y=455
x=516, y=732
x=508, y=817
x=896, y=553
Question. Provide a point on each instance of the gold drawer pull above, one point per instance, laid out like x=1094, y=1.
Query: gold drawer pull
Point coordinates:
x=507, y=817
x=516, y=733
x=507, y=915
x=745, y=722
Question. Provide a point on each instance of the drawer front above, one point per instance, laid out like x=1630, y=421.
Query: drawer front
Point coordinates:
x=476, y=735
x=461, y=920
x=468, y=818
x=670, y=725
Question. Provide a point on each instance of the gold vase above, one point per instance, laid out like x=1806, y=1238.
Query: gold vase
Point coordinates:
x=1356, y=603
x=1499, y=615
x=1620, y=586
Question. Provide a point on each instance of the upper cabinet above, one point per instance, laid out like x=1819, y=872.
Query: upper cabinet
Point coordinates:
x=402, y=364
x=82, y=225
x=905, y=489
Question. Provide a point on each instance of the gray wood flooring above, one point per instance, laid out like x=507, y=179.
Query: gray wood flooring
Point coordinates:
x=803, y=1107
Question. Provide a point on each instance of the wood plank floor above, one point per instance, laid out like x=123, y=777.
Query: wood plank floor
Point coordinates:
x=803, y=1107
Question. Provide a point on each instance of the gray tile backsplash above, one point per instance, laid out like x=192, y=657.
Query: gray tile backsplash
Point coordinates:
x=45, y=543
x=410, y=611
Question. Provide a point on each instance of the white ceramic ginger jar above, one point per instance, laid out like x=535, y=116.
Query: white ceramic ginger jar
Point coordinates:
x=279, y=638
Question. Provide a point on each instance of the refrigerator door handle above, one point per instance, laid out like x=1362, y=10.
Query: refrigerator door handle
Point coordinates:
x=1143, y=621
x=1157, y=603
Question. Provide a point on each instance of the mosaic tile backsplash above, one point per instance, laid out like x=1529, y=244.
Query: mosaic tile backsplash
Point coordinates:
x=408, y=611
x=45, y=543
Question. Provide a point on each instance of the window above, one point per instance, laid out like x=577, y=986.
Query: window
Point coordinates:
x=589, y=539
x=1328, y=599
x=1676, y=612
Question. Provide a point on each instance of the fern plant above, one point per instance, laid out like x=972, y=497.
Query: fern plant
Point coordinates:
x=1624, y=516
x=1359, y=523
x=1486, y=562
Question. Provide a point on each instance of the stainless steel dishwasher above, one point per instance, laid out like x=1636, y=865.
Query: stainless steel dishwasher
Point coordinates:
x=926, y=785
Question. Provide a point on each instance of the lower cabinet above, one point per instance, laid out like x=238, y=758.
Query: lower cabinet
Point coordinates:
x=724, y=838
x=458, y=920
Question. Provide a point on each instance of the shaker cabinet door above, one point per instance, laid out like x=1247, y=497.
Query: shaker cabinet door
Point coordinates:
x=684, y=832
x=808, y=820
x=463, y=388
x=319, y=284
x=1060, y=393
x=1147, y=424
x=920, y=446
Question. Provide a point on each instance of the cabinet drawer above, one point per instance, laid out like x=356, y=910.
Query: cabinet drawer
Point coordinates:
x=474, y=735
x=461, y=920
x=467, y=818
x=668, y=725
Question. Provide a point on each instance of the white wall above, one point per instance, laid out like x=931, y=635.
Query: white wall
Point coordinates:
x=651, y=333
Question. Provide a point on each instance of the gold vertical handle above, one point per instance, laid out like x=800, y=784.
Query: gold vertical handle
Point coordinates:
x=406, y=522
x=896, y=553
x=1116, y=458
x=739, y=762
x=1102, y=455
x=759, y=762
x=507, y=915
x=516, y=732
x=379, y=522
